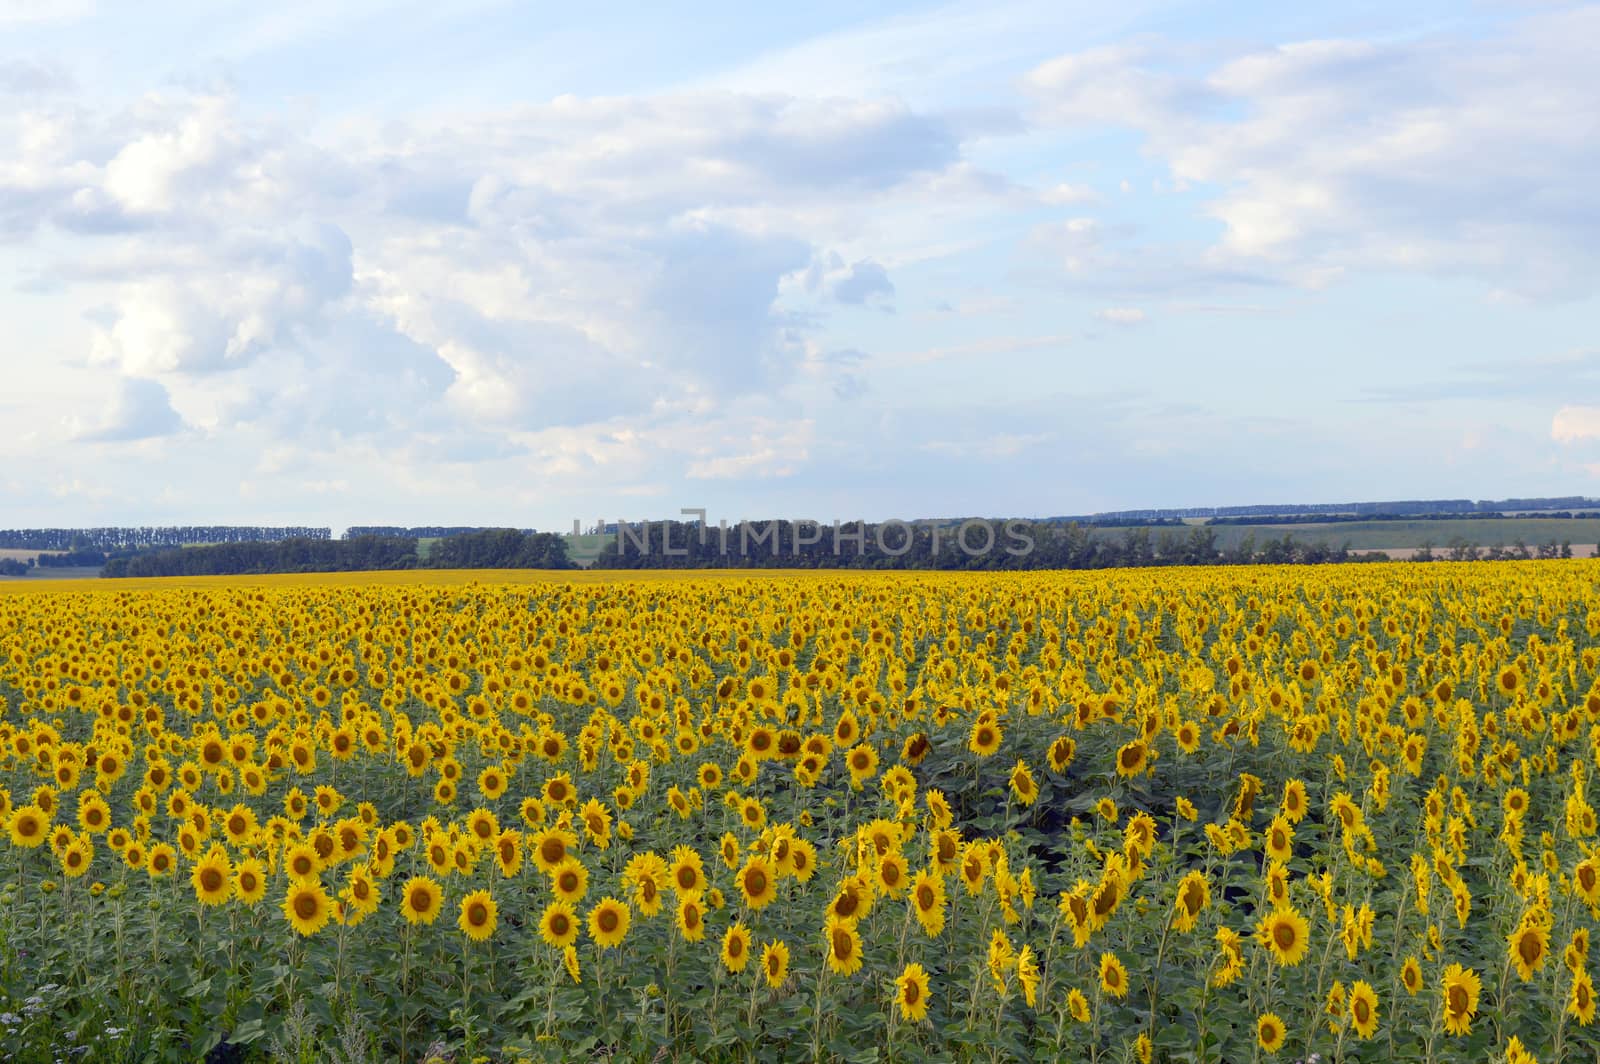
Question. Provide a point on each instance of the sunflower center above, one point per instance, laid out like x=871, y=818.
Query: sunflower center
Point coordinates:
x=1457, y=997
x=608, y=921
x=305, y=906
x=210, y=879
x=1284, y=935
x=477, y=914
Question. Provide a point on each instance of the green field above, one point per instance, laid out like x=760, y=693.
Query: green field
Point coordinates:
x=1395, y=535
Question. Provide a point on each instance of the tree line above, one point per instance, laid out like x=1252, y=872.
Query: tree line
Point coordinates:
x=984, y=545
x=141, y=538
x=415, y=532
x=974, y=544
x=490, y=549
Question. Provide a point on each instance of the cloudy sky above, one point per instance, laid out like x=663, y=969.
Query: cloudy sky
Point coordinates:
x=509, y=263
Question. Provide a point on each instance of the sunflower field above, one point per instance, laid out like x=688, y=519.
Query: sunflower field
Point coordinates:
x=1188, y=814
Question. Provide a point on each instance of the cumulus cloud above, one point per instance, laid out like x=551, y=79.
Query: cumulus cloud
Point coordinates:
x=221, y=310
x=1574, y=424
x=758, y=449
x=1442, y=155
x=138, y=410
x=866, y=280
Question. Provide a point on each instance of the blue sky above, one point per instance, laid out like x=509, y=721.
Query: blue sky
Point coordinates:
x=499, y=263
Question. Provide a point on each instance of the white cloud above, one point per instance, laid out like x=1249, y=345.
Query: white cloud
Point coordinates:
x=1434, y=154
x=139, y=410
x=249, y=294
x=36, y=12
x=1068, y=194
x=758, y=450
x=1574, y=424
x=1121, y=315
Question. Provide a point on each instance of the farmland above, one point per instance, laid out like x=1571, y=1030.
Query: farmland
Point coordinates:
x=1408, y=534
x=1186, y=814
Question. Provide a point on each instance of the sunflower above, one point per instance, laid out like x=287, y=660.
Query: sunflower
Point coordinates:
x=1586, y=877
x=802, y=860
x=1077, y=1005
x=852, y=901
x=1132, y=758
x=1113, y=976
x=688, y=872
x=492, y=783
x=212, y=878
x=1023, y=788
x=596, y=820
x=1460, y=988
x=306, y=906
x=775, y=963
x=300, y=861
x=1363, y=1008
x=1284, y=933
x=1528, y=944
x=927, y=900
x=163, y=860
x=944, y=850
x=753, y=814
x=736, y=947
x=1278, y=840
x=482, y=825
x=844, y=946
x=890, y=875
x=974, y=867
x=1580, y=1003
x=862, y=761
x=508, y=852
x=985, y=737
x=250, y=880
x=559, y=925
x=479, y=915
x=94, y=816
x=758, y=882
x=1270, y=1032
x=421, y=900
x=360, y=892
x=27, y=826
x=608, y=922
x=1028, y=974
x=550, y=847
x=911, y=993
x=1194, y=897
x=77, y=857
x=691, y=918
x=569, y=880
